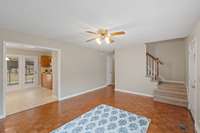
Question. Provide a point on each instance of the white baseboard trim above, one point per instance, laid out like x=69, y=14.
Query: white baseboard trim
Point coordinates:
x=81, y=93
x=135, y=93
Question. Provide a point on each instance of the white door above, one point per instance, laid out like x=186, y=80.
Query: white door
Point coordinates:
x=30, y=71
x=109, y=70
x=193, y=78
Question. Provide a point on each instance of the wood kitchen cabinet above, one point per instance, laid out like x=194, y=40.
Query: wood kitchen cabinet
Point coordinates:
x=46, y=80
x=45, y=61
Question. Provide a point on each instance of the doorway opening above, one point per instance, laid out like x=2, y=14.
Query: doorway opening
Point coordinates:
x=32, y=76
x=110, y=70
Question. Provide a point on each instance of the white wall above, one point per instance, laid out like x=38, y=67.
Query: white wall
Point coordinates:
x=130, y=70
x=196, y=35
x=172, y=54
x=82, y=68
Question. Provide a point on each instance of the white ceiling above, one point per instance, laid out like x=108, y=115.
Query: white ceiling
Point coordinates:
x=66, y=20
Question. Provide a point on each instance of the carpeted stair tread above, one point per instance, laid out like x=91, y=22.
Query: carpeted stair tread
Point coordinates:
x=170, y=100
x=172, y=88
x=171, y=93
x=173, y=85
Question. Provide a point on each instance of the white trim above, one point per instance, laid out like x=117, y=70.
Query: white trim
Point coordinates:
x=81, y=93
x=24, y=45
x=58, y=73
x=135, y=93
x=4, y=80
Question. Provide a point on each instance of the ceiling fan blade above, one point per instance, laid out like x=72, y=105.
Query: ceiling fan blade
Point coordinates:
x=91, y=32
x=90, y=40
x=117, y=33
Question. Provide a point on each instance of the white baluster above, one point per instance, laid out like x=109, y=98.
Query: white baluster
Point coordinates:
x=148, y=66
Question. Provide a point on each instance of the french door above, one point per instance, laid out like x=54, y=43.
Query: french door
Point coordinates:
x=22, y=72
x=13, y=72
x=30, y=71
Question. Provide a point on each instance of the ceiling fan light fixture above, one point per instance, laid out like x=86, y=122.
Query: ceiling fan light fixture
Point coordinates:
x=98, y=40
x=104, y=35
x=107, y=39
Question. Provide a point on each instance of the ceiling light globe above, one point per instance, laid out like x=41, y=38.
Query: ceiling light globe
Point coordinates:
x=98, y=40
x=107, y=39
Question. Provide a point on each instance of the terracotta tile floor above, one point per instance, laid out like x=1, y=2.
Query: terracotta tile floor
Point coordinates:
x=165, y=118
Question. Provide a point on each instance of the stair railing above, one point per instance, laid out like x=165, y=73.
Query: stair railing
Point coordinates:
x=152, y=67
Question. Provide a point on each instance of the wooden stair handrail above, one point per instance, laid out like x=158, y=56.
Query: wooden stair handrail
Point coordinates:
x=152, y=67
x=154, y=58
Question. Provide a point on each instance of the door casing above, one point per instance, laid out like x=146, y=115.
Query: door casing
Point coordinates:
x=192, y=90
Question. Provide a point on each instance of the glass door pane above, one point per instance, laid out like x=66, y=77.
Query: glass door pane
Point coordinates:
x=29, y=71
x=12, y=70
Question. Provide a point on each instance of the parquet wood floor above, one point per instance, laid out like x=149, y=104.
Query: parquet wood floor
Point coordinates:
x=164, y=118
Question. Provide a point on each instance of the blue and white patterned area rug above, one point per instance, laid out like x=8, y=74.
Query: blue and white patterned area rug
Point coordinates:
x=106, y=119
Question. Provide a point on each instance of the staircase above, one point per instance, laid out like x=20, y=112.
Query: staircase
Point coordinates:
x=152, y=67
x=171, y=93
x=166, y=92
